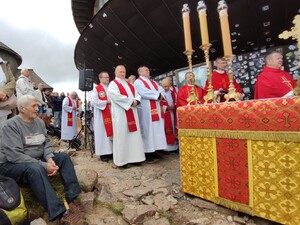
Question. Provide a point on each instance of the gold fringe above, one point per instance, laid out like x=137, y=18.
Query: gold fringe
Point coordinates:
x=234, y=205
x=216, y=167
x=291, y=136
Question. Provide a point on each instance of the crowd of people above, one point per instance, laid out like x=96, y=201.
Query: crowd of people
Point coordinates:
x=133, y=119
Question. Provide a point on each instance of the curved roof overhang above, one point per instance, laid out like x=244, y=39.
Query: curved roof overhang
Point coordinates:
x=143, y=32
x=16, y=55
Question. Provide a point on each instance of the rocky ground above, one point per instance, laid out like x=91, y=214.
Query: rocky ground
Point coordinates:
x=149, y=194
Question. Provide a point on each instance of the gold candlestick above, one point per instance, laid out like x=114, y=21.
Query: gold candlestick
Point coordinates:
x=210, y=97
x=232, y=94
x=226, y=37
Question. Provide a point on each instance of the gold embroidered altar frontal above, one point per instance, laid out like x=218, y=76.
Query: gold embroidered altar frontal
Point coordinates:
x=244, y=155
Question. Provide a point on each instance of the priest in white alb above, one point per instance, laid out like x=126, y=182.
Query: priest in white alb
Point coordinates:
x=170, y=117
x=151, y=113
x=103, y=129
x=68, y=120
x=127, y=139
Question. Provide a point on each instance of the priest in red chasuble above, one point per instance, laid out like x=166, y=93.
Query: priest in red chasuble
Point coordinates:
x=220, y=80
x=273, y=82
x=185, y=91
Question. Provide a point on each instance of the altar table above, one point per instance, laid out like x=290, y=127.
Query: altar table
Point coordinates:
x=244, y=156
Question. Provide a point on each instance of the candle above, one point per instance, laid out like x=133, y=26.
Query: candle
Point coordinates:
x=203, y=22
x=187, y=27
x=222, y=9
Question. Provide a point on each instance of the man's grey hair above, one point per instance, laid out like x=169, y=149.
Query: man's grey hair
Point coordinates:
x=24, y=100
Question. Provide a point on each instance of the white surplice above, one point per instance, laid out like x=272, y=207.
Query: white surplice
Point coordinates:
x=153, y=132
x=168, y=97
x=68, y=132
x=103, y=145
x=127, y=146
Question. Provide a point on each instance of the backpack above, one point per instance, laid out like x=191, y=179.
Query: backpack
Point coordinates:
x=12, y=205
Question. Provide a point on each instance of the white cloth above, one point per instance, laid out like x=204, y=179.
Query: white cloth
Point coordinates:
x=127, y=146
x=168, y=97
x=24, y=86
x=103, y=144
x=153, y=133
x=68, y=132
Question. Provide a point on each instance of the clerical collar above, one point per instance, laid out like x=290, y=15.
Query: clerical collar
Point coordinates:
x=220, y=71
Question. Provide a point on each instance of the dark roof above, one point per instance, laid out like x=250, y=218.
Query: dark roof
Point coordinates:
x=144, y=32
x=17, y=56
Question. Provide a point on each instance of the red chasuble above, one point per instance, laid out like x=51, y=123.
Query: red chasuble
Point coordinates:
x=154, y=113
x=183, y=94
x=106, y=112
x=273, y=83
x=129, y=113
x=221, y=80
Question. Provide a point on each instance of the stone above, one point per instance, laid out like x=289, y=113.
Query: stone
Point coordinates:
x=87, y=179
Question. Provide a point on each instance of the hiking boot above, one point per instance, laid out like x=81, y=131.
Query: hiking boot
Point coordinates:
x=70, y=218
x=77, y=207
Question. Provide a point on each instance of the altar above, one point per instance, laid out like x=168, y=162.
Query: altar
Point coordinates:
x=244, y=156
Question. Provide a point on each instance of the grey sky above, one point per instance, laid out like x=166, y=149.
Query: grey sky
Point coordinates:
x=45, y=39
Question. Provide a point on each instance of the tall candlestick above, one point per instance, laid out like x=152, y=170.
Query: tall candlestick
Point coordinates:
x=186, y=27
x=203, y=22
x=222, y=9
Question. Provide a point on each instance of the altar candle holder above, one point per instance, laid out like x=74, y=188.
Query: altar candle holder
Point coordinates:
x=226, y=38
x=232, y=94
x=201, y=8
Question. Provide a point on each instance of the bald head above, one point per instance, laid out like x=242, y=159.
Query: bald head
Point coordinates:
x=120, y=72
x=166, y=84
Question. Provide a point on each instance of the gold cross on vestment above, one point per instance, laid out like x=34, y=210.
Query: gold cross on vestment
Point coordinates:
x=287, y=82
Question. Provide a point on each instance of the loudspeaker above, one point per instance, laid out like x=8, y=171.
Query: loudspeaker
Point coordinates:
x=86, y=79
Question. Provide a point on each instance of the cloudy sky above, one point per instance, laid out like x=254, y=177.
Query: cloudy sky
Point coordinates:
x=43, y=32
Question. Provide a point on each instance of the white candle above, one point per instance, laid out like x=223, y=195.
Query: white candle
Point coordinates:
x=203, y=22
x=187, y=27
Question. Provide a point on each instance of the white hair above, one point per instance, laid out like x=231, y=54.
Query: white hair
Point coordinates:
x=24, y=100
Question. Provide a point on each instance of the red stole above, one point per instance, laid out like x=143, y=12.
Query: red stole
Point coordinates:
x=129, y=113
x=154, y=113
x=70, y=114
x=170, y=135
x=106, y=112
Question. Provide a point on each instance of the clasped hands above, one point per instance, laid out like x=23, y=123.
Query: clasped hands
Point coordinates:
x=52, y=168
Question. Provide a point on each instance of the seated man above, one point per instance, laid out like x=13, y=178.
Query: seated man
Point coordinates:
x=27, y=156
x=273, y=82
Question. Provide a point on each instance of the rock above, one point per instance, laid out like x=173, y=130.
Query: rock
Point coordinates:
x=160, y=221
x=162, y=202
x=138, y=192
x=239, y=220
x=87, y=200
x=87, y=179
x=136, y=214
x=104, y=194
x=38, y=221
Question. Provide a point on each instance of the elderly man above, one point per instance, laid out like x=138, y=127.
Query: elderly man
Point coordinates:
x=273, y=82
x=70, y=106
x=7, y=89
x=102, y=119
x=151, y=113
x=24, y=85
x=189, y=88
x=127, y=139
x=170, y=116
x=27, y=157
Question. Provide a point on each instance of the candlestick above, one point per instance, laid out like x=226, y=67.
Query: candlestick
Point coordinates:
x=226, y=38
x=186, y=27
x=203, y=22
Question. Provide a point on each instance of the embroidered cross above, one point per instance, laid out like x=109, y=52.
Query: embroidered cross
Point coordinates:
x=287, y=82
